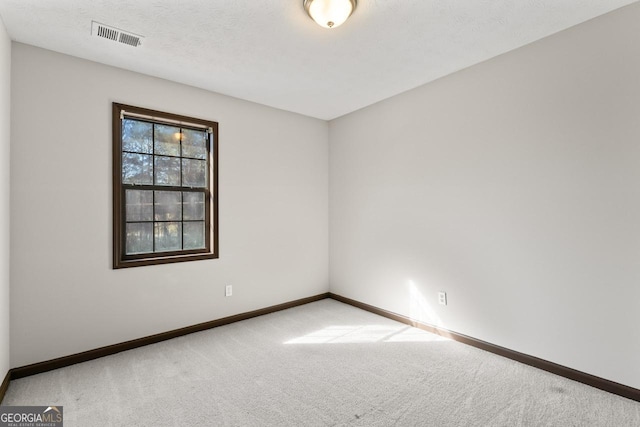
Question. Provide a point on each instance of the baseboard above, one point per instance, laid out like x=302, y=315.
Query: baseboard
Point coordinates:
x=85, y=356
x=4, y=386
x=554, y=368
x=563, y=371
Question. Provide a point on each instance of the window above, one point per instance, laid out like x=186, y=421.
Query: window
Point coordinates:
x=165, y=198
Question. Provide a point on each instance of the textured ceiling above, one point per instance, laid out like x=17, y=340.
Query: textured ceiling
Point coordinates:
x=270, y=52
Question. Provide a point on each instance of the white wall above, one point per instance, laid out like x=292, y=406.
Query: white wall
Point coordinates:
x=273, y=183
x=514, y=186
x=5, y=134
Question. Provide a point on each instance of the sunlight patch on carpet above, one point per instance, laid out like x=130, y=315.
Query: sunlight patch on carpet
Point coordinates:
x=366, y=334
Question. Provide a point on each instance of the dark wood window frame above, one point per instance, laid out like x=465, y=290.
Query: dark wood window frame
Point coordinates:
x=120, y=258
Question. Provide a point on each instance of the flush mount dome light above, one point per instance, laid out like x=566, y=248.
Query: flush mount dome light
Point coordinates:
x=330, y=13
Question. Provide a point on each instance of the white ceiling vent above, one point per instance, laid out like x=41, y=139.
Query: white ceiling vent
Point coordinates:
x=115, y=34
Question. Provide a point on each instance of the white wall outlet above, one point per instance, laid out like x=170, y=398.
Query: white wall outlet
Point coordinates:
x=442, y=298
x=228, y=290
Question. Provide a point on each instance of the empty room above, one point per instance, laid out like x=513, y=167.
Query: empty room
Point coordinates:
x=319, y=213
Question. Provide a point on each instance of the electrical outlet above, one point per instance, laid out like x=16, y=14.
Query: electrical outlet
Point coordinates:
x=442, y=298
x=228, y=291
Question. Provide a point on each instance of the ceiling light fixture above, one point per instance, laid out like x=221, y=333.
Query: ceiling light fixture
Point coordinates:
x=330, y=13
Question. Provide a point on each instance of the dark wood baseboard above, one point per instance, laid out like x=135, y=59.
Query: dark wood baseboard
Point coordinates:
x=85, y=356
x=554, y=368
x=563, y=371
x=4, y=386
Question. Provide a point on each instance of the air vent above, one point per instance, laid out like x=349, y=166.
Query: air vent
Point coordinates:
x=115, y=34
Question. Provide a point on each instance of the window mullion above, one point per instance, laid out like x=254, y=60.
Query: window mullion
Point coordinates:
x=153, y=176
x=181, y=198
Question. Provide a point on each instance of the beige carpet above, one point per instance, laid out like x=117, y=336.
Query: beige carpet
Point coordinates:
x=322, y=364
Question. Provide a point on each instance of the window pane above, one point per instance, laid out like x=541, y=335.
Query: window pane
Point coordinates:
x=136, y=169
x=139, y=205
x=194, y=173
x=192, y=206
x=139, y=238
x=167, y=140
x=194, y=143
x=193, y=236
x=167, y=170
x=137, y=136
x=168, y=206
x=168, y=236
